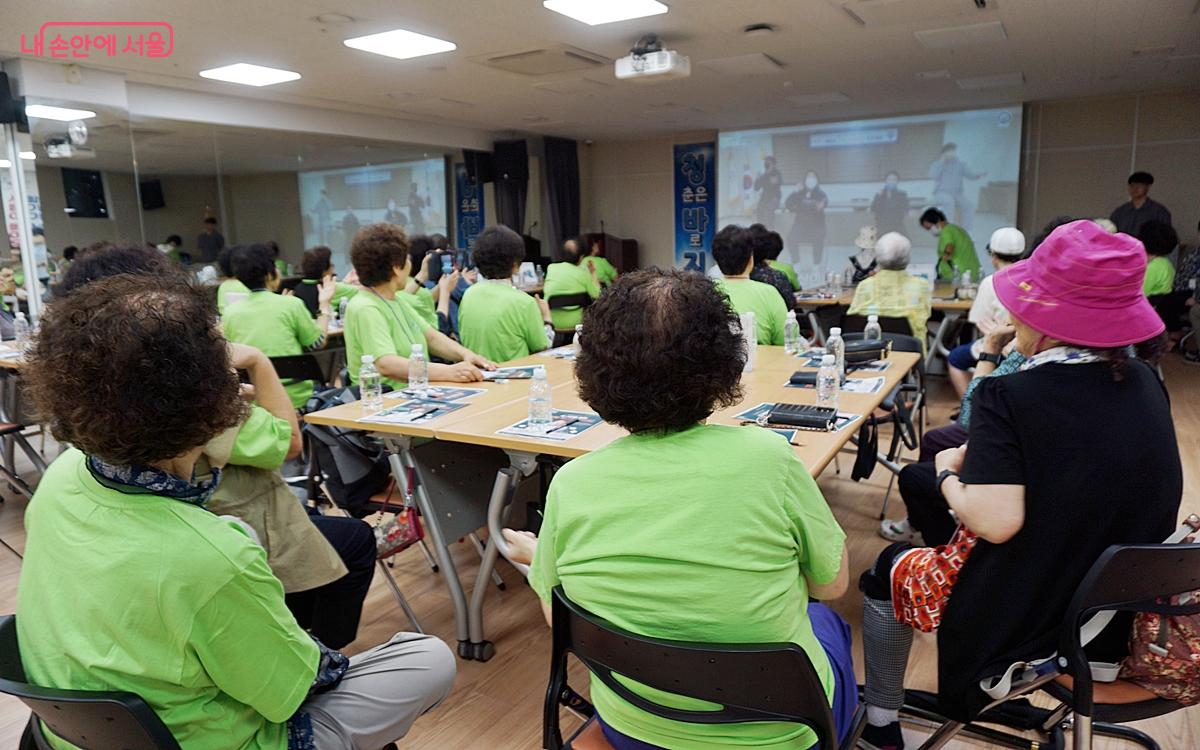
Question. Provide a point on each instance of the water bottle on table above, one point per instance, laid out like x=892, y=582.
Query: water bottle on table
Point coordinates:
x=22, y=332
x=418, y=371
x=793, y=342
x=827, y=382
x=836, y=347
x=873, y=331
x=541, y=412
x=575, y=339
x=370, y=385
x=750, y=336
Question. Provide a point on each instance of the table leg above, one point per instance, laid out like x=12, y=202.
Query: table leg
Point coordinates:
x=503, y=493
x=400, y=458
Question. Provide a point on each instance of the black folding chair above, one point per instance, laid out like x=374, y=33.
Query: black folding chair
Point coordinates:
x=578, y=301
x=88, y=719
x=752, y=682
x=889, y=324
x=1126, y=578
x=296, y=368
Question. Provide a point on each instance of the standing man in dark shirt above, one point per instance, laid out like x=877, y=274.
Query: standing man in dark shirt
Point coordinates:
x=890, y=206
x=1129, y=217
x=762, y=246
x=210, y=242
x=770, y=182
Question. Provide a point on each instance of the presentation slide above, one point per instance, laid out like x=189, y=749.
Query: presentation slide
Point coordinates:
x=819, y=185
x=334, y=203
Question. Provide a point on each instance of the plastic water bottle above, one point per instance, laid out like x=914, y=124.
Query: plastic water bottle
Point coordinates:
x=827, y=382
x=575, y=339
x=836, y=347
x=418, y=370
x=541, y=411
x=873, y=331
x=370, y=385
x=750, y=336
x=21, y=330
x=792, y=340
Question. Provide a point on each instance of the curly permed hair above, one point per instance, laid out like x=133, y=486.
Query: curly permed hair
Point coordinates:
x=378, y=249
x=134, y=371
x=660, y=351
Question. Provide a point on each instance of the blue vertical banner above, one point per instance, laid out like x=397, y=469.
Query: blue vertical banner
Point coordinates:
x=695, y=204
x=468, y=208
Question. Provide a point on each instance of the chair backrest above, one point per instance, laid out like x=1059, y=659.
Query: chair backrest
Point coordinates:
x=857, y=323
x=86, y=719
x=296, y=367
x=564, y=301
x=1127, y=578
x=308, y=294
x=751, y=682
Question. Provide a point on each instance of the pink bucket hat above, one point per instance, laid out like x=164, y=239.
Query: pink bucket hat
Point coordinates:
x=1082, y=286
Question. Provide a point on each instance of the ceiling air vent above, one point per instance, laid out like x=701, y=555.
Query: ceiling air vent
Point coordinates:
x=561, y=58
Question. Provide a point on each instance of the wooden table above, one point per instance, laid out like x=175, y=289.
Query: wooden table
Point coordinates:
x=459, y=458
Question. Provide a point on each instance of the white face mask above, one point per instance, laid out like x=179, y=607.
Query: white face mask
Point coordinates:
x=810, y=182
x=935, y=231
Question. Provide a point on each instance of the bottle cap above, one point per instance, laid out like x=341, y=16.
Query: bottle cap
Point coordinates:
x=368, y=359
x=579, y=328
x=791, y=315
x=828, y=359
x=418, y=349
x=872, y=318
x=835, y=331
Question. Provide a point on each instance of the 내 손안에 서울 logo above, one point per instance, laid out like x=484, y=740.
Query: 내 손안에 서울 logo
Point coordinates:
x=80, y=40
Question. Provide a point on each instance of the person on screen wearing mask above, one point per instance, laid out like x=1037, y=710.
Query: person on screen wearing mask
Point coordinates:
x=808, y=204
x=956, y=250
x=393, y=215
x=1129, y=217
x=890, y=205
x=948, y=174
x=770, y=182
x=350, y=224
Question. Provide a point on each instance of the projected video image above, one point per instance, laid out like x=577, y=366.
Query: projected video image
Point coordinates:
x=819, y=185
x=335, y=203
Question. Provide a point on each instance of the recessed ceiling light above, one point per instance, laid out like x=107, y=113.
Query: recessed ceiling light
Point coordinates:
x=5, y=163
x=61, y=114
x=596, y=12
x=250, y=75
x=28, y=155
x=401, y=44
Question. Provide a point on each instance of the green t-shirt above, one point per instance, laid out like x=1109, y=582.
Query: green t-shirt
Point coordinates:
x=1160, y=276
x=568, y=278
x=228, y=287
x=500, y=322
x=621, y=544
x=278, y=326
x=281, y=267
x=381, y=327
x=178, y=606
x=747, y=295
x=421, y=302
x=605, y=272
x=963, y=258
x=787, y=270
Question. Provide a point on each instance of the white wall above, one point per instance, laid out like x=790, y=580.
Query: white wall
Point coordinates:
x=262, y=207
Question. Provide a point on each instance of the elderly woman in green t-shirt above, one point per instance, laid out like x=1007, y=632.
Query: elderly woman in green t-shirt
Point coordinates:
x=956, y=249
x=659, y=353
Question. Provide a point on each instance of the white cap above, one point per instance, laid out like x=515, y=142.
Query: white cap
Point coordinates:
x=791, y=315
x=418, y=349
x=835, y=331
x=368, y=359
x=828, y=359
x=1007, y=241
x=872, y=318
x=539, y=371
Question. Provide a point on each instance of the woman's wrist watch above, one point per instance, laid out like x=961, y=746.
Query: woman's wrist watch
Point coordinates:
x=942, y=477
x=995, y=359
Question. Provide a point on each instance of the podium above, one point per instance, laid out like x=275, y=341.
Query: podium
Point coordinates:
x=622, y=253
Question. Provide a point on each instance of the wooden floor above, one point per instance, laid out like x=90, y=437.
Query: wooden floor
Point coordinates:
x=497, y=705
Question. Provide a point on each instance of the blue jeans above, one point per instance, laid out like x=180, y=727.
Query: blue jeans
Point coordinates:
x=960, y=357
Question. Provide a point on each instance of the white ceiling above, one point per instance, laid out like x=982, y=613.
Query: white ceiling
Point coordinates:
x=1061, y=48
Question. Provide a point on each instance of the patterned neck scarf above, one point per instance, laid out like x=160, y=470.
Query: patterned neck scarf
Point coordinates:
x=148, y=480
x=1062, y=355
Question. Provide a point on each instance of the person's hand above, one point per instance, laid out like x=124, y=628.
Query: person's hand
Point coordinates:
x=423, y=273
x=480, y=362
x=987, y=325
x=999, y=338
x=325, y=292
x=245, y=357
x=287, y=293
x=471, y=275
x=950, y=459
x=352, y=278
x=448, y=283
x=248, y=393
x=463, y=372
x=522, y=545
x=544, y=306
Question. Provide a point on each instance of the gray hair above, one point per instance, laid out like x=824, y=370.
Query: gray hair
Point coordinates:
x=893, y=251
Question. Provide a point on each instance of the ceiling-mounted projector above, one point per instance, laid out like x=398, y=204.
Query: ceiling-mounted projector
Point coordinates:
x=648, y=61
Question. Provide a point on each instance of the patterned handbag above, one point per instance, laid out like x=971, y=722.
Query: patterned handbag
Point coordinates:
x=922, y=579
x=399, y=532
